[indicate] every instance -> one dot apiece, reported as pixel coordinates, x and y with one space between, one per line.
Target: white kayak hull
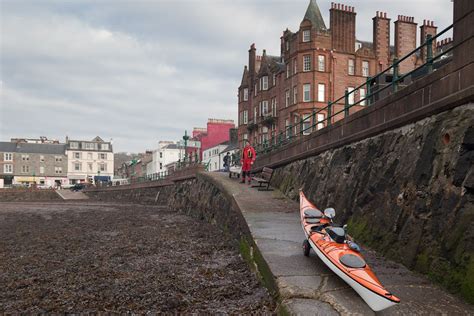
375 301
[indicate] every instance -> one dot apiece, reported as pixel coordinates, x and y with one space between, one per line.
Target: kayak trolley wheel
306 247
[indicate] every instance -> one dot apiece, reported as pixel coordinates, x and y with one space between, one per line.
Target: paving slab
306 286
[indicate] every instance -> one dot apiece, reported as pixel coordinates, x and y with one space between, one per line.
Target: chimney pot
377 14
424 22
385 15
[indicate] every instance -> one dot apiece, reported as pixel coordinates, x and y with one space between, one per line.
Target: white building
166 153
89 161
213 158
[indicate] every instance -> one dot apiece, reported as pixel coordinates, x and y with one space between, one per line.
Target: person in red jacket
248 158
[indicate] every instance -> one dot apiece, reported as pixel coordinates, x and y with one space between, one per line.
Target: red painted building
217 132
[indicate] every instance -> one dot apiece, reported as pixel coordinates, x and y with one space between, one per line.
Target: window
295 126
58 158
275 107
41 169
255 90
41 158
287 128
306 92
103 156
255 114
77 155
104 146
350 69
295 66
77 166
89 166
365 68
320 118
161 154
287 70
307 63
8 168
246 136
351 95
74 145
25 169
8 157
362 96
274 79
89 156
287 98
264 107
306 35
25 157
321 91
265 83
88 145
246 94
306 124
58 170
161 165
103 167
295 95
246 117
287 45
321 63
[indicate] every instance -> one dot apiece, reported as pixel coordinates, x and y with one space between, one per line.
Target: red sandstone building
317 65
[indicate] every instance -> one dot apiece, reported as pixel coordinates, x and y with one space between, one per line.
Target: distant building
89 161
214 156
40 140
28 163
216 132
166 153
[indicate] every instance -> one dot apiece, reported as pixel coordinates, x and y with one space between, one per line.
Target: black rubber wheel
306 247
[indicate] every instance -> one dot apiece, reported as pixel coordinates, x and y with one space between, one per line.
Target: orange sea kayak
337 250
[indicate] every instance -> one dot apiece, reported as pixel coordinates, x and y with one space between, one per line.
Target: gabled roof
313 14
98 139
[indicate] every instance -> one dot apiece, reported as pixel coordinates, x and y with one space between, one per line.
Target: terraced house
89 161
316 65
25 164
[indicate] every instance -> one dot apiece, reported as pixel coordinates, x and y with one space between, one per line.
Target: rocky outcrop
407 193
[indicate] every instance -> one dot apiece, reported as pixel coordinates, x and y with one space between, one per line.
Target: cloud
143 71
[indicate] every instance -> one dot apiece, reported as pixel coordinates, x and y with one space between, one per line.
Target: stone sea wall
407 193
28 195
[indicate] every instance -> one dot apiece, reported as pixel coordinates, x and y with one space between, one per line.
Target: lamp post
185 138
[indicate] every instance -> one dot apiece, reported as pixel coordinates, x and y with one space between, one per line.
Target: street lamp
185 138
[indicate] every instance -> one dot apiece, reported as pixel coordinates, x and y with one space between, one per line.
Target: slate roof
313 14
54 149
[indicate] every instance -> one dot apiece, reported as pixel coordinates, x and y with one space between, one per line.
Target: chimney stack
405 41
427 28
342 22
381 39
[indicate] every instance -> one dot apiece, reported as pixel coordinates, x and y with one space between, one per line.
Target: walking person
248 158
227 162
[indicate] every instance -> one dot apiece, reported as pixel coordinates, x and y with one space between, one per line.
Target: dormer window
246 94
306 35
274 79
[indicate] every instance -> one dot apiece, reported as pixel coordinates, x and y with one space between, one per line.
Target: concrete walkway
70 195
306 286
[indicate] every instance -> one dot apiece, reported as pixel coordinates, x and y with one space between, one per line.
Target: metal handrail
287 136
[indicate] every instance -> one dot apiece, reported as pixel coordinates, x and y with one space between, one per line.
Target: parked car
78 187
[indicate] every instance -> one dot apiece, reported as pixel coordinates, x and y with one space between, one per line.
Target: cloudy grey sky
143 71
